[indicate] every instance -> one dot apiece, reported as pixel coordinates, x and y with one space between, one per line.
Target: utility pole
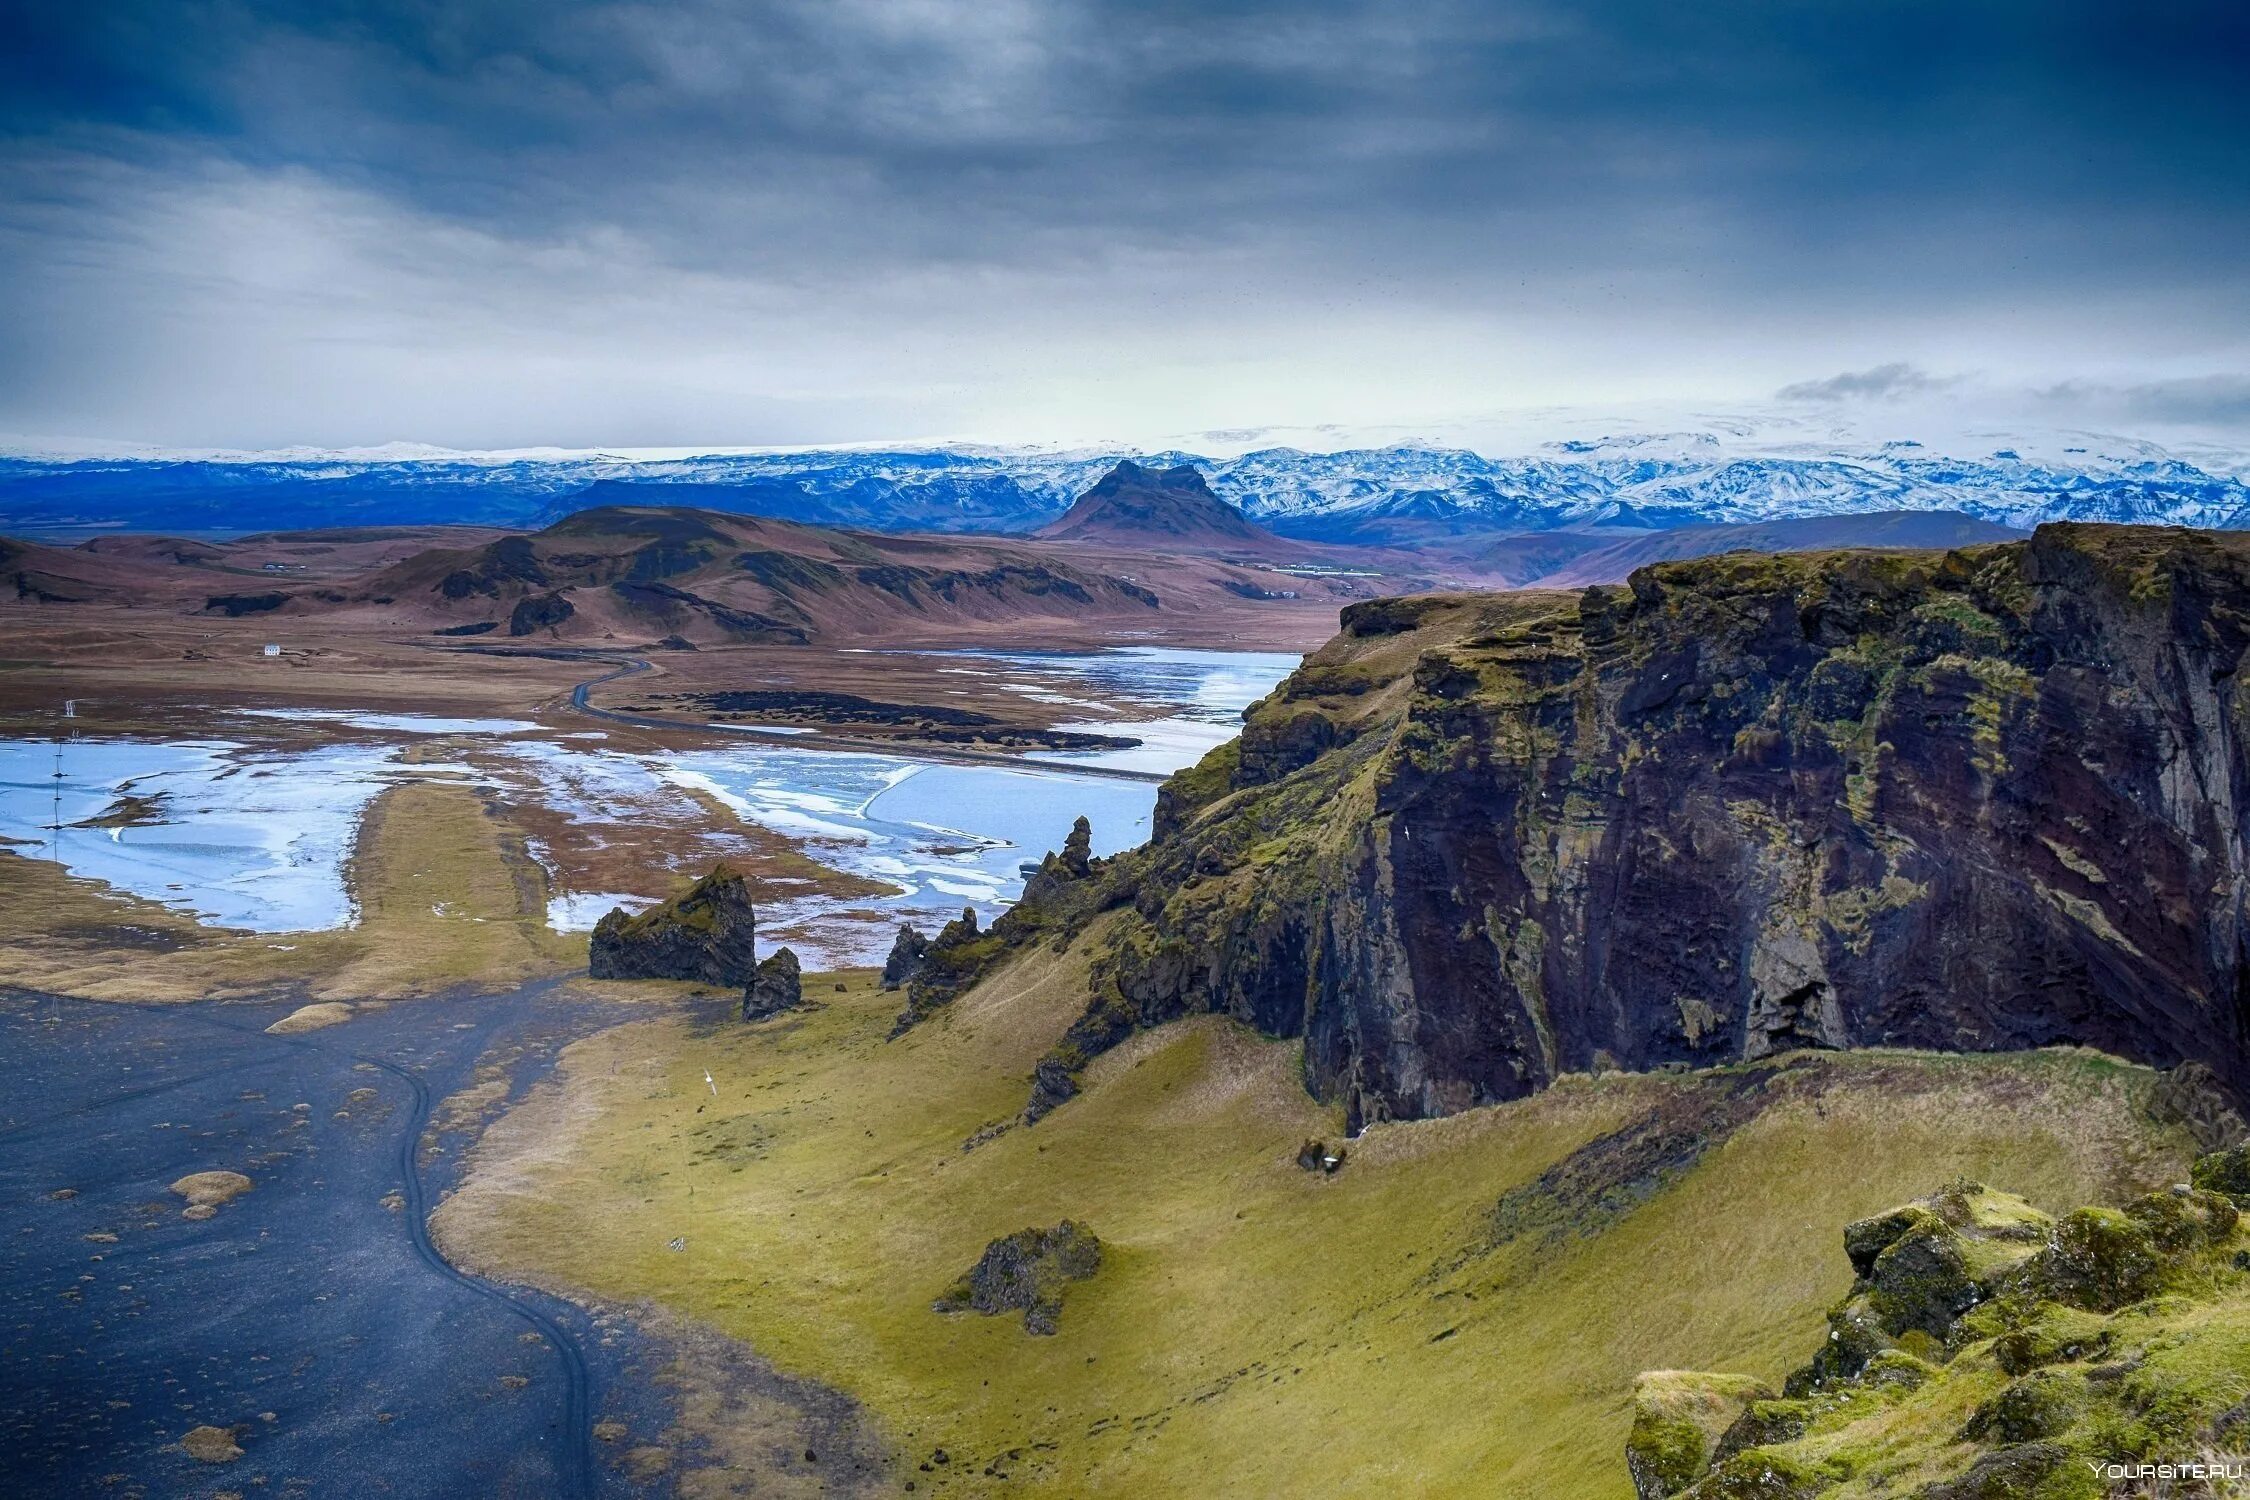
54 819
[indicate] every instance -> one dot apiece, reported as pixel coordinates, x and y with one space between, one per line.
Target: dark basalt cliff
1983 799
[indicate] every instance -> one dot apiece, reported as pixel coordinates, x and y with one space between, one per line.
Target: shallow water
397 723
944 836
247 838
1202 693
256 837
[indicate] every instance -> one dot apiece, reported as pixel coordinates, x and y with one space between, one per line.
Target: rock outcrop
536 612
1679 1419
906 955
1074 861
1026 1272
2106 1336
1057 896
1985 799
708 934
956 958
778 985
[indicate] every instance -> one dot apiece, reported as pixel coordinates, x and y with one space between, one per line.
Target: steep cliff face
1984 799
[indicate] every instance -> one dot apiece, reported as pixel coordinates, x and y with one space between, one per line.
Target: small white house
272 649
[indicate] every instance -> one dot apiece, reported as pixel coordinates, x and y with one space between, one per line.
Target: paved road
822 740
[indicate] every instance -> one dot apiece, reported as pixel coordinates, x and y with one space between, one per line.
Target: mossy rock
2041 1405
1987 1213
1865 1239
2182 1222
1026 1271
1897 1371
2226 1172
1679 1417
2100 1259
1881 1400
1762 1474
708 934
1855 1336
1764 1424
2051 1333
1922 1281
2045 1470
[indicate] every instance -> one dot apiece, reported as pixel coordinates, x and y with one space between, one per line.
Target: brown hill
710 578
627 574
31 573
1134 506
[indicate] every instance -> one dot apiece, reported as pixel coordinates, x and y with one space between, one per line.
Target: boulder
2039 1405
777 986
708 934
2226 1172
1921 1267
1026 1271
1922 1281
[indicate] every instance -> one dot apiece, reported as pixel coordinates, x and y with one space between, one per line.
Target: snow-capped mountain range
1367 494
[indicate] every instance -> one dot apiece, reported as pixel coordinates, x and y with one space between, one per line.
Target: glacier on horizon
1370 493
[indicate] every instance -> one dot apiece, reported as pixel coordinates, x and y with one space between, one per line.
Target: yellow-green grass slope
1990 1352
1461 1310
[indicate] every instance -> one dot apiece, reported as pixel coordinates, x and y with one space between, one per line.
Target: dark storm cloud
744 133
1889 382
1283 160
2202 401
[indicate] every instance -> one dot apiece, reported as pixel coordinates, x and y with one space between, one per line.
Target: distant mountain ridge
1909 529
1366 494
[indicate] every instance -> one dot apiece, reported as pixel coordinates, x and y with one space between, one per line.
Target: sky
503 223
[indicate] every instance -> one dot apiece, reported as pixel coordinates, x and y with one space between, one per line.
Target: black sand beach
308 1319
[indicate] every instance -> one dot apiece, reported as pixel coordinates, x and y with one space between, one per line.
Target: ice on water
256 836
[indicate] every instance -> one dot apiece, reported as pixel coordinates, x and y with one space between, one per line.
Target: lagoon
257 836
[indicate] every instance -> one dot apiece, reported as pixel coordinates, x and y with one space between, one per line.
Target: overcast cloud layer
248 223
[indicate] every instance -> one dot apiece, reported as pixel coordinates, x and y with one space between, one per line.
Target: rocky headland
1983 799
